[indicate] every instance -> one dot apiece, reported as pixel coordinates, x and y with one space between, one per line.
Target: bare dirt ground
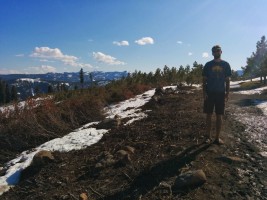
166 144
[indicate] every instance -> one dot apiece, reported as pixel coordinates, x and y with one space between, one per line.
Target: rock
159 91
169 91
180 86
126 160
129 149
118 119
2 171
4 188
105 159
231 159
110 162
165 188
213 150
263 154
156 98
190 179
99 165
41 158
123 157
121 154
109 123
83 196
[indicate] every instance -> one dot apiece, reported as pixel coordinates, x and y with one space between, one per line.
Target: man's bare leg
218 128
208 124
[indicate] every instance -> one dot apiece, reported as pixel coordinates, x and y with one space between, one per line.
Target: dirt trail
166 144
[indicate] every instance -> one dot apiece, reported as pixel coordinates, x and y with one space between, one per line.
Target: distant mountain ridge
67 76
240 72
31 84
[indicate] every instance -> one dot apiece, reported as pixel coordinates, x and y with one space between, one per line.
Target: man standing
216 84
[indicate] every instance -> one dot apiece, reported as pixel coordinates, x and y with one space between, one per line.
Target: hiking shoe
207 140
218 141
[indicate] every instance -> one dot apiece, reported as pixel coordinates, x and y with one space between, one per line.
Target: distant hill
240 72
31 84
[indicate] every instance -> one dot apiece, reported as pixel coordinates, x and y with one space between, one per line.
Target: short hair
216 47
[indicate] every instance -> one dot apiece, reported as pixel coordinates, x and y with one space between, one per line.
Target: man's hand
227 82
226 96
205 96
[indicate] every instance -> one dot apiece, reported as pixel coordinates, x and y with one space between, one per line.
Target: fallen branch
96 191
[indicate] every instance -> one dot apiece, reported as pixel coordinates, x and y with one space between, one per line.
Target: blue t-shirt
216 72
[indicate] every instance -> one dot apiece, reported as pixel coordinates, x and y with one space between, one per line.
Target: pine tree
81 77
2 92
255 63
91 79
157 77
14 94
197 73
7 94
37 90
264 68
181 74
50 89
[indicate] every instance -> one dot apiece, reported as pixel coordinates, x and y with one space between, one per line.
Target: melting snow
86 136
79 139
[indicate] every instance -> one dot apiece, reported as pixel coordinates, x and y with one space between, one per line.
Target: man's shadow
148 179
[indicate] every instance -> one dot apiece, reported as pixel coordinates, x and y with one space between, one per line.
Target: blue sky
39 36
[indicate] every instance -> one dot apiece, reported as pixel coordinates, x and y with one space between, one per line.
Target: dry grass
38 122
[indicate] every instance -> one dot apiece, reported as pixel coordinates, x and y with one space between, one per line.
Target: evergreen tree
50 89
2 92
64 87
173 75
234 75
58 87
255 66
37 90
264 68
14 94
81 77
7 95
91 79
181 74
157 77
197 73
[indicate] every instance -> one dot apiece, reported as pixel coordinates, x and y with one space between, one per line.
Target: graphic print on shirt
218 70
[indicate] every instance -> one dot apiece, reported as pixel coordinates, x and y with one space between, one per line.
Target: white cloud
46 52
101 57
30 70
45 60
9 71
41 69
122 43
205 55
56 54
179 42
190 53
145 40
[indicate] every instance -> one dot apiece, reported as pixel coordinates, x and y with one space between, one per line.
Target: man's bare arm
227 88
227 82
204 85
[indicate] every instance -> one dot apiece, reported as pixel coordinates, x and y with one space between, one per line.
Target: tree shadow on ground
148 179
245 102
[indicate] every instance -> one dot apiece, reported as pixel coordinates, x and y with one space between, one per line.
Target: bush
250 85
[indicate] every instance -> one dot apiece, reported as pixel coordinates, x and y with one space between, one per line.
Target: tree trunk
265 80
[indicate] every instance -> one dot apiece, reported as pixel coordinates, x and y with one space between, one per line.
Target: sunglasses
218 50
